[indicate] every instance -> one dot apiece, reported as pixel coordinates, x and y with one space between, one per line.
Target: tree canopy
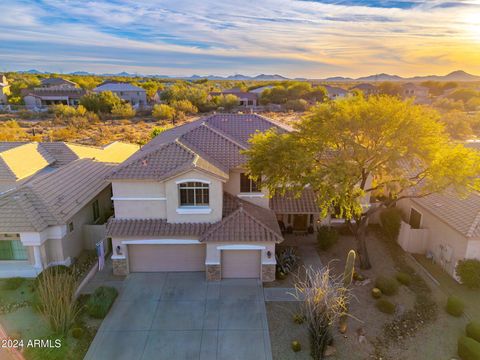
351 148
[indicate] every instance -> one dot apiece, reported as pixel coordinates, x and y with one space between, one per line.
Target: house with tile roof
184 203
135 95
21 162
444 226
43 221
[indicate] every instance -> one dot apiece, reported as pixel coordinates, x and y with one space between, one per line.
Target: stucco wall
216 199
130 199
73 242
232 186
440 236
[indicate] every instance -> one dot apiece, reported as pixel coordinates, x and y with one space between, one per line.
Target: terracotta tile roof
164 162
153 227
247 223
289 204
242 222
462 214
53 198
240 127
215 146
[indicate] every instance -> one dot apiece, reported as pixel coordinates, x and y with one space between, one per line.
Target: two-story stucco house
184 203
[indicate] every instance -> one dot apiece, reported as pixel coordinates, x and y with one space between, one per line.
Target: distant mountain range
458 75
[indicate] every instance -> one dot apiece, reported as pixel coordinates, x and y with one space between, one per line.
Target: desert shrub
101 301
385 306
102 102
404 278
184 107
163 112
13 283
387 285
326 237
298 319
455 306
227 102
296 105
124 110
287 260
376 293
56 289
473 330
469 272
468 349
390 219
54 270
77 332
296 346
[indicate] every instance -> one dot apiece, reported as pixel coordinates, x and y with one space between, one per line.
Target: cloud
296 38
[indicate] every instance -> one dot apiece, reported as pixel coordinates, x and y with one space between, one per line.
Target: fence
412 240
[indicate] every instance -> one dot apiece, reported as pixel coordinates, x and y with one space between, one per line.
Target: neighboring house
366 88
57 83
445 227
334 92
419 94
22 161
43 222
46 96
184 203
135 95
4 89
261 89
245 99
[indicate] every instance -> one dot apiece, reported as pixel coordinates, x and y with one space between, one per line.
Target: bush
385 306
455 306
473 330
287 260
163 112
469 272
101 301
55 291
326 237
13 283
296 346
55 270
390 219
387 285
468 349
296 105
404 278
298 319
124 110
77 332
376 293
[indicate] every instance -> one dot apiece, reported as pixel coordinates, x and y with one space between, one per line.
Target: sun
472 25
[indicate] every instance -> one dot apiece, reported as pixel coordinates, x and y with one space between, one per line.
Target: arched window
194 193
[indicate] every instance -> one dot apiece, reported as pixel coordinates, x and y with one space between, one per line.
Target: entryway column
38 257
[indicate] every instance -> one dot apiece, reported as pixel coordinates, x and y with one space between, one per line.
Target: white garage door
240 264
152 258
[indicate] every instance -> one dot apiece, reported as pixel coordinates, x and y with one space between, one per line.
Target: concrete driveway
176 316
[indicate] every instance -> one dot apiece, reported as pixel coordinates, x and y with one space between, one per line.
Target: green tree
390 88
298 90
228 102
275 95
163 112
296 105
102 102
458 124
123 110
184 107
348 149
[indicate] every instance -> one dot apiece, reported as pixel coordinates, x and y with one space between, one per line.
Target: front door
300 222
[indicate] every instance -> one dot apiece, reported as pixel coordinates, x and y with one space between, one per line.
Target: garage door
240 264
152 258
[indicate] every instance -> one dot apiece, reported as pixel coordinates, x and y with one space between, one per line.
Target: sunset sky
312 39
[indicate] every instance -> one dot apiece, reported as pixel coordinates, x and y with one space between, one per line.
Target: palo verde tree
347 149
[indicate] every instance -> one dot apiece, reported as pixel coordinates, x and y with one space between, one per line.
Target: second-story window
194 194
248 185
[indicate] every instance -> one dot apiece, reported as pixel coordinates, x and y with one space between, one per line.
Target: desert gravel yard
179 316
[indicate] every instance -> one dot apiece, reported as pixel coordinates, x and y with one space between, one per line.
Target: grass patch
13 283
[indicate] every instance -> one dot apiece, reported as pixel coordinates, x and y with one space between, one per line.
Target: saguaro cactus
347 281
